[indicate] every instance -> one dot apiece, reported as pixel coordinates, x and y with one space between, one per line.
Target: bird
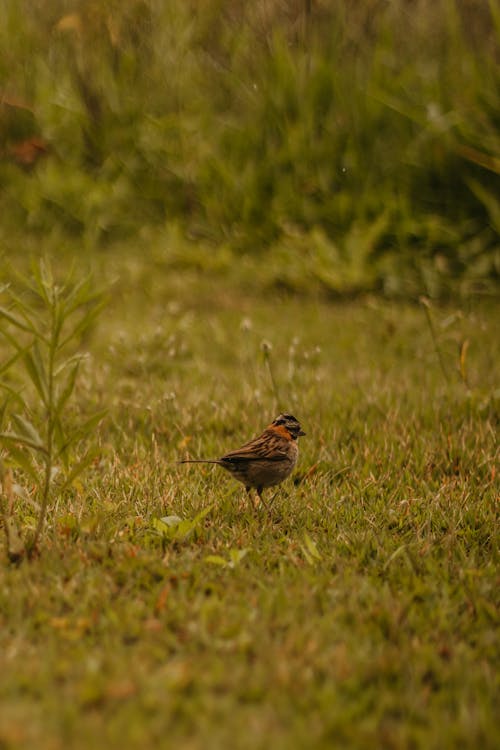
264 461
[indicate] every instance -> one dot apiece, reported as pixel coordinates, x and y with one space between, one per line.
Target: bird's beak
302 433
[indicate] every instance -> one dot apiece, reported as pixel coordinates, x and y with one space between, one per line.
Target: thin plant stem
50 429
425 304
267 360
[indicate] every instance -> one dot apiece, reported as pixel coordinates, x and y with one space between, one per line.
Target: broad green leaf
203 513
184 529
171 520
216 560
163 529
236 556
174 528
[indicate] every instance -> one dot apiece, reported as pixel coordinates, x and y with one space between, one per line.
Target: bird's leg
259 493
249 496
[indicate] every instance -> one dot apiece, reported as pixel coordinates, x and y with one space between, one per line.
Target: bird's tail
199 461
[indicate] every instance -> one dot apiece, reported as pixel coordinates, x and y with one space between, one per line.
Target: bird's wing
267 446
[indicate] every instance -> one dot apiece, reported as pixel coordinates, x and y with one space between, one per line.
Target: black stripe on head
285 419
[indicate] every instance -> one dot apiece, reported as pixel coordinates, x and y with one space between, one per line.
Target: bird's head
290 424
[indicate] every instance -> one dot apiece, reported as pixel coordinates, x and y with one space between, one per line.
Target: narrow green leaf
11 318
45 279
312 547
68 388
82 431
9 362
79 467
91 423
9 438
16 395
26 429
394 555
310 550
67 363
36 371
30 314
13 341
61 441
83 324
22 460
83 296
58 313
3 409
77 294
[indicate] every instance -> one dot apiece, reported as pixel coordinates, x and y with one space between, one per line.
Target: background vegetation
356 144
259 193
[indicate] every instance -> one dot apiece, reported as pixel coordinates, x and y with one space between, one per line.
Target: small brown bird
264 461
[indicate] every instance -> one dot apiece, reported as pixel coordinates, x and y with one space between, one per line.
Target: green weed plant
41 322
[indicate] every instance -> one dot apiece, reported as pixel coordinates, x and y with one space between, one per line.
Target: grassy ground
360 610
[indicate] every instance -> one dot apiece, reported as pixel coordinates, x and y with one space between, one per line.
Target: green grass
361 610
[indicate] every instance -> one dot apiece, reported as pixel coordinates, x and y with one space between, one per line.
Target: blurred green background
338 146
